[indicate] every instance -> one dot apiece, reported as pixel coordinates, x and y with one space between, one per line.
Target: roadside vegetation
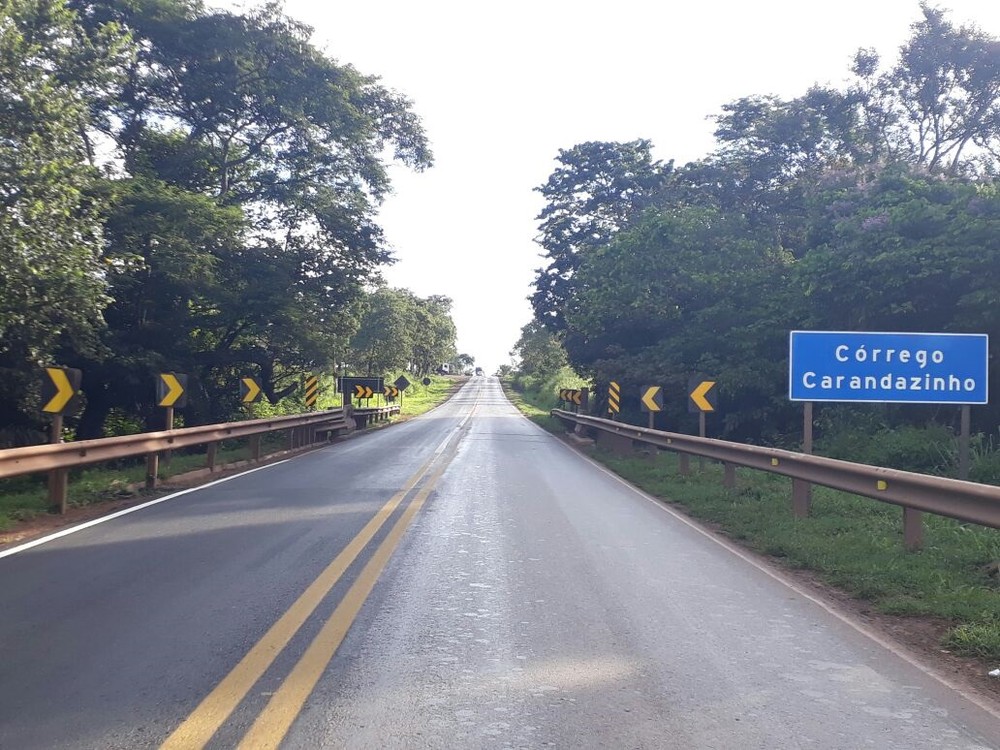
166 214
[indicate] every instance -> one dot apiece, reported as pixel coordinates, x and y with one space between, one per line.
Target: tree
279 151
686 290
939 105
538 351
53 285
597 190
433 335
384 341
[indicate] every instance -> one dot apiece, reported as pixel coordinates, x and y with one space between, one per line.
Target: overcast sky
501 87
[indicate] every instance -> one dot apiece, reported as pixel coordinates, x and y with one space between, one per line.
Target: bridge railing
915 493
58 458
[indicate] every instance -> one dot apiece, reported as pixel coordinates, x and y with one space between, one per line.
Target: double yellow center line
274 721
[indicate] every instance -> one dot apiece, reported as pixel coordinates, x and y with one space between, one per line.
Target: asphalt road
461 580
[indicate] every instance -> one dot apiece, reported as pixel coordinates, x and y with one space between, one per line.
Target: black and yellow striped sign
614 398
312 390
390 392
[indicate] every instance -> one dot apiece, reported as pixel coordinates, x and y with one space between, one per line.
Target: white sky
501 87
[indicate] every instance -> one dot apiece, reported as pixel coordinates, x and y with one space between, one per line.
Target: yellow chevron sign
614 397
701 397
312 390
59 388
571 395
363 391
390 391
171 390
249 391
651 398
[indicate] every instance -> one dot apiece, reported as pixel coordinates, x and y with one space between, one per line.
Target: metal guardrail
953 498
58 458
364 417
38 458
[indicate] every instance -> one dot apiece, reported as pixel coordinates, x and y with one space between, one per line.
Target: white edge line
126 511
888 645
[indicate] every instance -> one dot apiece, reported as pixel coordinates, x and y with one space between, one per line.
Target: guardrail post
152 469
963 444
801 489
255 447
683 464
168 455
210 454
58 478
801 498
913 529
729 475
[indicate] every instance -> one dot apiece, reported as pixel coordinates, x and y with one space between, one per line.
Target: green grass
420 398
850 542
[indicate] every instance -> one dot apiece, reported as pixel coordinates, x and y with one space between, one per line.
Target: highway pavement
460 580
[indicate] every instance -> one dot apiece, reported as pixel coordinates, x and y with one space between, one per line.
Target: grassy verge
419 398
850 542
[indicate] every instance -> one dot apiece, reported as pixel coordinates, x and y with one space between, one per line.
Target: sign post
58 478
59 395
250 394
651 400
701 399
171 393
402 384
801 489
963 443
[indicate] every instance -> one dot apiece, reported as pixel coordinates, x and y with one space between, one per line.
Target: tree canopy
191 190
870 208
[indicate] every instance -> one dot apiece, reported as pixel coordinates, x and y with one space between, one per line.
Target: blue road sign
910 368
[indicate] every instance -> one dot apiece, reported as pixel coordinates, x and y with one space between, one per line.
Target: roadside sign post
963 443
801 489
59 395
402 384
171 393
651 400
58 478
250 393
901 368
701 399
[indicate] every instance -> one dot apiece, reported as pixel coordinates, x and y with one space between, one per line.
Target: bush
928 450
